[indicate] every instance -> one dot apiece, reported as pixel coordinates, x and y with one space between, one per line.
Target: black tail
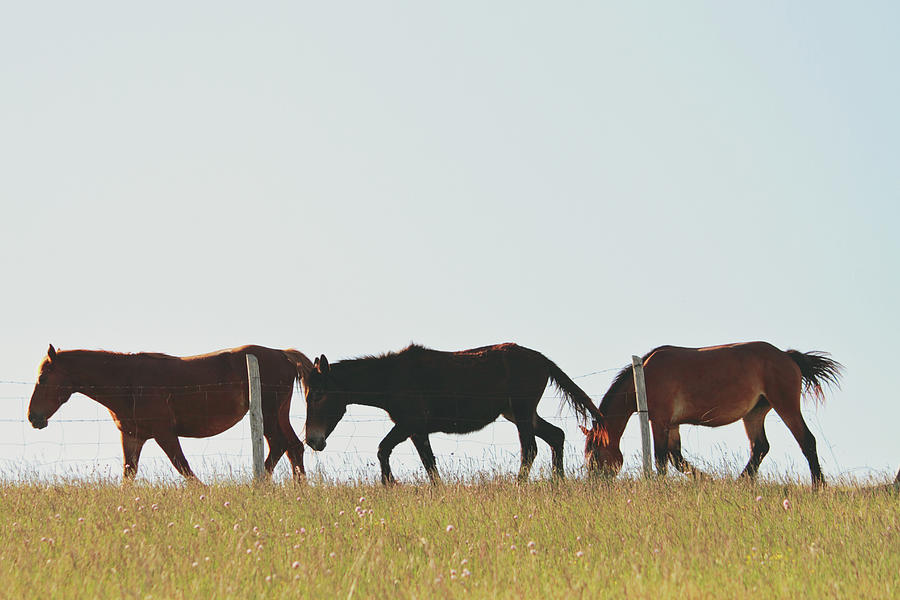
577 398
817 369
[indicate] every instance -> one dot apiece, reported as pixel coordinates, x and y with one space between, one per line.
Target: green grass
570 539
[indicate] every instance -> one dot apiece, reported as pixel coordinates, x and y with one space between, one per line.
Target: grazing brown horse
166 397
713 386
425 391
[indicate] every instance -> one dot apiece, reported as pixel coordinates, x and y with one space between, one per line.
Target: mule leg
172 447
555 437
131 451
423 446
529 446
754 425
387 445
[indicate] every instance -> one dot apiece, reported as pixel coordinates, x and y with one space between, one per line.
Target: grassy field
487 539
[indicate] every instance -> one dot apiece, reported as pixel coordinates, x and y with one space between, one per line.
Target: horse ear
322 365
51 353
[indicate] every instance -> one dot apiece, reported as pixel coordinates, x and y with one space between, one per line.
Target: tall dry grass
489 538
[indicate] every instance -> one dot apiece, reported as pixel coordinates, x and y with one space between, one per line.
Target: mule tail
817 369
577 398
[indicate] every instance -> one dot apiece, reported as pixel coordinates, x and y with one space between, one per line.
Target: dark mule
166 397
425 391
713 386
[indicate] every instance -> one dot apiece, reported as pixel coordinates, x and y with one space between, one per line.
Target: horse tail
817 369
577 397
304 365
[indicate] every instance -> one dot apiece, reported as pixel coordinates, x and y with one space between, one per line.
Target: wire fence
82 443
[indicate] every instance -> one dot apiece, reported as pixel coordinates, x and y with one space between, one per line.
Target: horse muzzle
37 422
317 443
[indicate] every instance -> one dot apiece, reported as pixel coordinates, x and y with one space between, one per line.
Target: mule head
325 404
52 389
602 457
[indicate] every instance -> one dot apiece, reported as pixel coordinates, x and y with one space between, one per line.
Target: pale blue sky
590 180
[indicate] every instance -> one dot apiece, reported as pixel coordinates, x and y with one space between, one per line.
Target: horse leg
294 452
172 447
807 441
423 446
272 430
131 451
292 443
661 446
678 460
529 446
787 404
387 445
555 437
754 425
276 449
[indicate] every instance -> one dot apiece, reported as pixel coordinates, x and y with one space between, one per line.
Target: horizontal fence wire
88 447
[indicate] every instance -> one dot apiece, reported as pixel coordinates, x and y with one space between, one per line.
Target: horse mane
111 354
623 377
598 435
363 361
413 349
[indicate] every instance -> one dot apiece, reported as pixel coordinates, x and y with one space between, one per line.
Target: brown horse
166 397
712 386
425 391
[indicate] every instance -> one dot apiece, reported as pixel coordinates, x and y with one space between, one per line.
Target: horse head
602 457
52 389
324 404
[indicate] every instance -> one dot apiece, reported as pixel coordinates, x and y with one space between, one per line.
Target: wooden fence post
256 418
641 392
